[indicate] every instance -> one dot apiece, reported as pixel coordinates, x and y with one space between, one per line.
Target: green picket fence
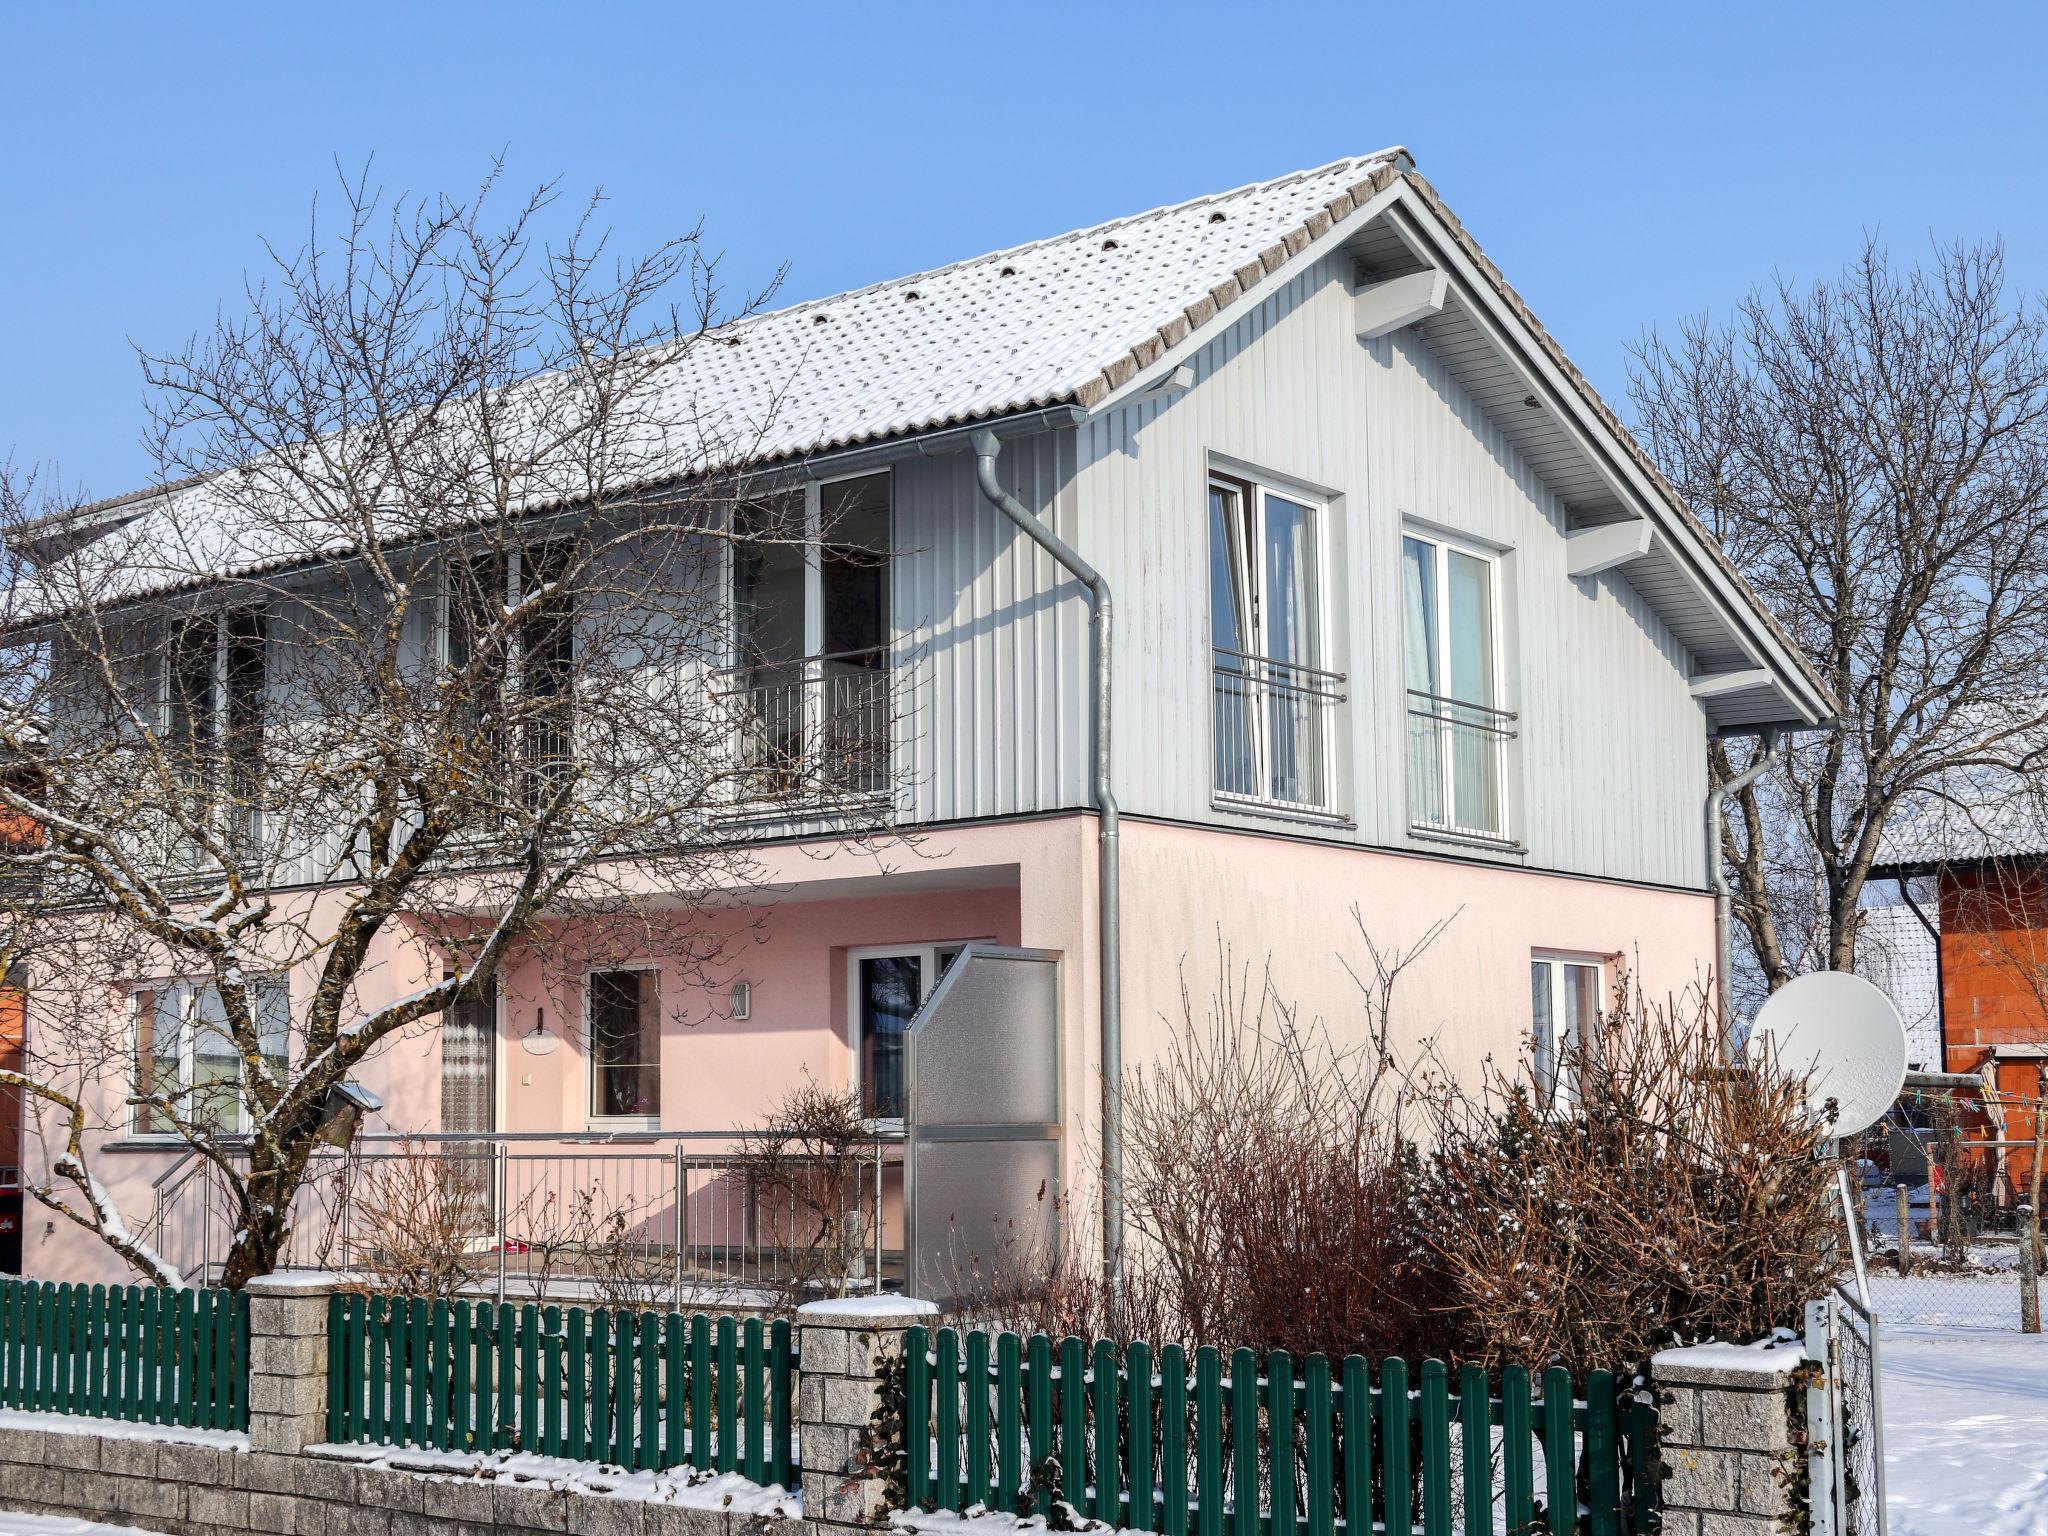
129 1352
642 1390
1240 1446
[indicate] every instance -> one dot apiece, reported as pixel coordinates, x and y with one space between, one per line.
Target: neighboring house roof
1981 811
1068 321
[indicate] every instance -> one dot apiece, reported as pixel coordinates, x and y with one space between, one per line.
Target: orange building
1991 917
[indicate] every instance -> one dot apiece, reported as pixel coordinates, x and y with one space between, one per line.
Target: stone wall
214 1486
1731 1463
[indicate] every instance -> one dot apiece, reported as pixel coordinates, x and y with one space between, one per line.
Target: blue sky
1626 165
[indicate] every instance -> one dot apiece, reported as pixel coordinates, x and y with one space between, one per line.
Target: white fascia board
1386 307
1199 337
1590 551
1712 685
1414 220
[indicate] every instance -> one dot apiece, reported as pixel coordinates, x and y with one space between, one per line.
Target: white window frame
188 1048
1562 1091
1494 558
1255 490
597 1122
813 660
927 957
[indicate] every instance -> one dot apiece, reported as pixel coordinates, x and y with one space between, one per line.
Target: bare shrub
1269 1187
420 1222
813 1164
1666 1198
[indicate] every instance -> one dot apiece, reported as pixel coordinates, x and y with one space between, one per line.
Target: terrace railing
652 1214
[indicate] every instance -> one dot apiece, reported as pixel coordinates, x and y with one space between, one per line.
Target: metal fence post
2030 1279
501 1149
878 1217
682 1200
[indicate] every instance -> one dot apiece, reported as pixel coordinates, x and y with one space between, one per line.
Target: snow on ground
62 1525
1965 1431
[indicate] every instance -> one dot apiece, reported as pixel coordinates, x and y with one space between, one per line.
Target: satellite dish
1846 1038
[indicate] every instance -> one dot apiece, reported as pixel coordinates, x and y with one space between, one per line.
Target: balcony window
523 699
1457 731
1273 713
213 711
186 1057
624 1009
809 685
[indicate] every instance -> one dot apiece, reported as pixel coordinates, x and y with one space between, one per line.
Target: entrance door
469 1066
884 991
469 1104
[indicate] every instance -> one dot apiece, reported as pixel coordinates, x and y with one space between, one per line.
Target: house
1406 630
1970 860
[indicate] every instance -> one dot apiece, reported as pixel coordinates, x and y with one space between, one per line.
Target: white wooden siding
1609 772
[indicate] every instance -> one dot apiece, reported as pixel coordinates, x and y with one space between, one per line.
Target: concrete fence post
1726 1415
843 1349
288 1361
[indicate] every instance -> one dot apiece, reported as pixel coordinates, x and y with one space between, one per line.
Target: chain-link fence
1968 1280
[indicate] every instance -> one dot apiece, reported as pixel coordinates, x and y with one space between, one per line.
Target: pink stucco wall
1198 904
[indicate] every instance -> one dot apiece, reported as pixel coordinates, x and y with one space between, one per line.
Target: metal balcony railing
1458 766
1275 730
682 1212
813 727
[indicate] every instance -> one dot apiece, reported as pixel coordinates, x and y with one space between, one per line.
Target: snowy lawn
1965 1432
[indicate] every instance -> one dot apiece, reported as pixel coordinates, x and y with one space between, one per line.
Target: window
1457 732
1564 1008
810 637
1273 711
214 706
186 1056
888 987
625 1045
523 699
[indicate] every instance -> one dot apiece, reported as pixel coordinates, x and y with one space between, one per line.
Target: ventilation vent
1109 245
1218 217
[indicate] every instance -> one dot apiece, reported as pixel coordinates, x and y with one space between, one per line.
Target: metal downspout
1717 876
986 446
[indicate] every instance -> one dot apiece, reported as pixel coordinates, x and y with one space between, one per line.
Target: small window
186 1057
625 1045
1564 1007
1272 717
1457 731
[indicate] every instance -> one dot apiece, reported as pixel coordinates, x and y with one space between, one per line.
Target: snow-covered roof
1992 805
1065 321
1062 320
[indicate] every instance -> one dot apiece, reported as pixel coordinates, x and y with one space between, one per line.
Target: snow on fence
644 1390
126 1352
1270 1447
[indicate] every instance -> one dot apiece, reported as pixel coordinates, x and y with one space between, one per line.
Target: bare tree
1873 452
422 663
